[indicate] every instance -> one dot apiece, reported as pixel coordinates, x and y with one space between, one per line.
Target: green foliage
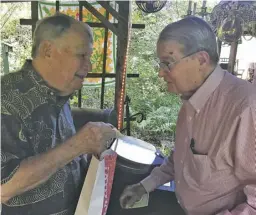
148 93
20 37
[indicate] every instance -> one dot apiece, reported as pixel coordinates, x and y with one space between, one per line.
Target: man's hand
131 195
95 137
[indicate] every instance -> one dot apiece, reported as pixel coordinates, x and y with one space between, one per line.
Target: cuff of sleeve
6 176
226 212
149 184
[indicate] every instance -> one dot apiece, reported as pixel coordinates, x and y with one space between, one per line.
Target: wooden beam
80 19
232 57
92 24
57 6
122 44
103 19
194 9
189 11
27 21
34 14
109 75
104 63
111 10
15 1
219 45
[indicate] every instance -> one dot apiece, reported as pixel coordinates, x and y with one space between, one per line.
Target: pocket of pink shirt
197 170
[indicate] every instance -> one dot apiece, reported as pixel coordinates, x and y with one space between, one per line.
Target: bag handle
118 135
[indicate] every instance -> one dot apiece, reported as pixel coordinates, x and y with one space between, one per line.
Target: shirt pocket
196 170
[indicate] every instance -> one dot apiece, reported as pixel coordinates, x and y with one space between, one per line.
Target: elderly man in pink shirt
214 161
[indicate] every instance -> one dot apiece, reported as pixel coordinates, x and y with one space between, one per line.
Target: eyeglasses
83 56
168 66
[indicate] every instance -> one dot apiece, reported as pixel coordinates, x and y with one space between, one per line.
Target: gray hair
194 34
54 27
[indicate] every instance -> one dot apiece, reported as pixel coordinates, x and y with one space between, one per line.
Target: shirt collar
200 97
46 91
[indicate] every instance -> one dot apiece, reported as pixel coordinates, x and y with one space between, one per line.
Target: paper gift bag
95 195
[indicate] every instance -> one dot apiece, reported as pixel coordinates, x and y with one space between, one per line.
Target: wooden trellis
120 28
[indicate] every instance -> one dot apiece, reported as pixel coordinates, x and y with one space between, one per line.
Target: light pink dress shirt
220 178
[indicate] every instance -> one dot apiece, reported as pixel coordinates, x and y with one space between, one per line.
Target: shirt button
178 182
181 161
52 93
189 118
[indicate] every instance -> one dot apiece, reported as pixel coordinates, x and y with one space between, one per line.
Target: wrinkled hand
131 195
95 137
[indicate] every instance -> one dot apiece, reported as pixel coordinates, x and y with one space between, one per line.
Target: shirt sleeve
245 162
13 146
160 175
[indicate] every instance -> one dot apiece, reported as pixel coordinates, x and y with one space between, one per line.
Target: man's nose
87 66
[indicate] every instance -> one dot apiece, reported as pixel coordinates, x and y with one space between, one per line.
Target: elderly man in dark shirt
41 151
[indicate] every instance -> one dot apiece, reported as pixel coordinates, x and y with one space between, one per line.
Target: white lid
135 150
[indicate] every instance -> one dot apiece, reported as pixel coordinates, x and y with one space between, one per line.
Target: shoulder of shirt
238 91
11 97
10 81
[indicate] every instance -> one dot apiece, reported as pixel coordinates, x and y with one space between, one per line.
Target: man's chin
79 86
171 89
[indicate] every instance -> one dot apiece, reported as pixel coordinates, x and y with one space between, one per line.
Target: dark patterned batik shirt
34 120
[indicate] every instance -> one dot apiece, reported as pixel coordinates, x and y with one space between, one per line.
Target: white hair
53 27
194 34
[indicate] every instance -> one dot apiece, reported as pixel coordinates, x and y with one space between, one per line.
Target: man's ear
46 49
203 57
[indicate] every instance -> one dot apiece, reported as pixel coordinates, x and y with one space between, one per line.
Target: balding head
54 27
62 48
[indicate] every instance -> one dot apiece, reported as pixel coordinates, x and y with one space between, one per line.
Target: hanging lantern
231 29
151 6
249 31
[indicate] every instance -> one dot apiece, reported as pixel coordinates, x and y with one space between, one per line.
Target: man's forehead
79 39
169 46
168 50
88 48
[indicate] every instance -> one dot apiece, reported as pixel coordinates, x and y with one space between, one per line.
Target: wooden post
99 16
232 57
80 19
91 24
57 6
104 63
219 44
194 9
122 44
5 56
34 14
189 11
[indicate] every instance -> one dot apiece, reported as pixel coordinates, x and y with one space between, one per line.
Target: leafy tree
20 37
